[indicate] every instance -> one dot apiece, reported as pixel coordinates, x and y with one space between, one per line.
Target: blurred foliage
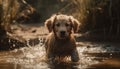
8 11
95 15
99 16
47 8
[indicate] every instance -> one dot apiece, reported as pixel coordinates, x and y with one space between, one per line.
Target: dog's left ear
49 23
75 23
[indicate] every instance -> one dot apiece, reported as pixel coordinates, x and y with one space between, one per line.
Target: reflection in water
92 55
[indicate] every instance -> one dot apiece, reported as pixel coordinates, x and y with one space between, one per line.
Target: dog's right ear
75 23
49 23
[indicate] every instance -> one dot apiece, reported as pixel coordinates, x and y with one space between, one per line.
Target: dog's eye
66 24
58 25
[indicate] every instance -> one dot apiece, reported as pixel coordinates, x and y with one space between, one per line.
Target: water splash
33 57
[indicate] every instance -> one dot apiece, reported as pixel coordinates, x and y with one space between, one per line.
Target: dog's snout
62 32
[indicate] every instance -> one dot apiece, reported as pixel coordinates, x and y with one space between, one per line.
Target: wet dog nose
62 33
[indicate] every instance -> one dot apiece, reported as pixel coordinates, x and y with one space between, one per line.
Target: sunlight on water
29 57
33 57
29 52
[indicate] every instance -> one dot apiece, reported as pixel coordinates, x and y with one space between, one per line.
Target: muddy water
92 56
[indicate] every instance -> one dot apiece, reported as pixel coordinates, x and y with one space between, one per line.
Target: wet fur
56 47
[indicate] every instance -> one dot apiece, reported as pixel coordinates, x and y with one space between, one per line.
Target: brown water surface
93 55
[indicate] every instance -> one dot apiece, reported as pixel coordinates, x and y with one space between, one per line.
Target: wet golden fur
61 42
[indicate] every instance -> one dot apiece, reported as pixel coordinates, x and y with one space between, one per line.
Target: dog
61 42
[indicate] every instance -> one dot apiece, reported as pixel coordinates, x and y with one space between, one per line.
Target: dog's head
62 25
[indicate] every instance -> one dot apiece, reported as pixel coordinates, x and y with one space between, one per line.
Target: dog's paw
75 56
75 59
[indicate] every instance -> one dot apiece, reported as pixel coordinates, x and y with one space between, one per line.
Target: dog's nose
62 32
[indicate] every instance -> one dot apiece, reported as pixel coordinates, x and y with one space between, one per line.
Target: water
92 56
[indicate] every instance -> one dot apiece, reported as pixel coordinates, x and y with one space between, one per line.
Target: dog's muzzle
62 34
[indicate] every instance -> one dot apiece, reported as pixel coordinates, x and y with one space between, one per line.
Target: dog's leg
75 56
51 57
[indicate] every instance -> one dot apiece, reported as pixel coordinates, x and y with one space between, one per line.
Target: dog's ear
75 23
49 23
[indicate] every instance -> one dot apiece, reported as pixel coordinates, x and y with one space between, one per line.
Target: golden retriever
61 42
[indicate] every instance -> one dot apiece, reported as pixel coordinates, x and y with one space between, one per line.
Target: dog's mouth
62 36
